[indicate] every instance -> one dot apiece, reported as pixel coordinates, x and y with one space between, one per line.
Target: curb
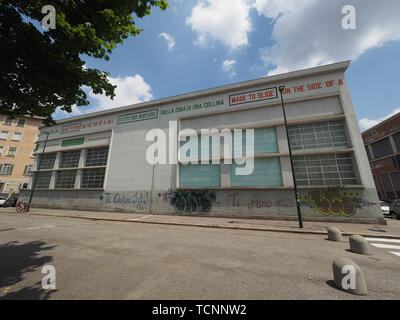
216 226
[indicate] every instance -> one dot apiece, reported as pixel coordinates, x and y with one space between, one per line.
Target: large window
70 159
47 160
266 173
382 148
329 169
320 135
93 178
96 157
70 170
43 179
65 179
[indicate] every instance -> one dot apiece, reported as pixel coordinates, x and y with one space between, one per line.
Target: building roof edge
334 67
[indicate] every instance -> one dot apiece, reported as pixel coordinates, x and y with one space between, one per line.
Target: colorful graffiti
190 201
331 202
334 202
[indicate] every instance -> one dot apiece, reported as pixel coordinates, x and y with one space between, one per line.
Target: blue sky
200 44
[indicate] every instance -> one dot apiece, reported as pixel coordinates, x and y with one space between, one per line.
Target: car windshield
384 204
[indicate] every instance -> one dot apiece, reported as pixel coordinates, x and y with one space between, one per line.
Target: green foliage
42 70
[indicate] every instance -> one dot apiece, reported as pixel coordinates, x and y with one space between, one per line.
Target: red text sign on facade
253 96
71 128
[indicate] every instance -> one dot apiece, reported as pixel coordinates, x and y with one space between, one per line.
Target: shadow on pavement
18 259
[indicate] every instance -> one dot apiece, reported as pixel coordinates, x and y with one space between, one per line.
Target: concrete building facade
98 161
17 143
382 144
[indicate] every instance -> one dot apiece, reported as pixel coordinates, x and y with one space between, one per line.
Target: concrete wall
342 205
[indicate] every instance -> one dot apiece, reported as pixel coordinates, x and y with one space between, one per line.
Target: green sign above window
73 142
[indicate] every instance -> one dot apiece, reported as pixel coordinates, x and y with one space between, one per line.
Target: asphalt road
117 260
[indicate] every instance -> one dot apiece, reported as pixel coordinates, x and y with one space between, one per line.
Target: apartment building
382 144
17 143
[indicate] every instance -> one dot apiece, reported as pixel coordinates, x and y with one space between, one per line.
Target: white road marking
395 253
383 240
385 246
34 228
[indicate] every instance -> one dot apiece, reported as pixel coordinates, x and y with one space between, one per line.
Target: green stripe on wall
72 142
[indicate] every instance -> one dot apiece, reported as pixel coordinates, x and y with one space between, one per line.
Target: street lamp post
281 88
35 177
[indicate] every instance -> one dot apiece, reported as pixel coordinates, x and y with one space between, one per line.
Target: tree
42 69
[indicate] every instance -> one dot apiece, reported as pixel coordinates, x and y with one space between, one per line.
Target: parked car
394 209
12 202
2 200
385 208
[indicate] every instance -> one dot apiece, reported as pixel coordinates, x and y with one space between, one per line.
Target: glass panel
382 148
47 160
264 142
43 180
93 178
66 179
96 157
266 173
199 175
324 170
70 159
318 135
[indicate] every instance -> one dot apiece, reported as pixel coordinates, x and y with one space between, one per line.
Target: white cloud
169 39
229 66
309 33
227 21
130 90
365 123
273 8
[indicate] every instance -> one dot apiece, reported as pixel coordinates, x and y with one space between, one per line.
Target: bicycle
22 207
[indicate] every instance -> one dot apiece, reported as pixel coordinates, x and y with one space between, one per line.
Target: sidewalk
391 230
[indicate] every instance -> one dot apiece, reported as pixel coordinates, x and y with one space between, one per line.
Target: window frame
21 125
10 170
84 177
3 131
9 149
13 136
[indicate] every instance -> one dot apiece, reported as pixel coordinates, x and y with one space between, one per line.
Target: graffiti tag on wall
190 201
135 199
257 202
